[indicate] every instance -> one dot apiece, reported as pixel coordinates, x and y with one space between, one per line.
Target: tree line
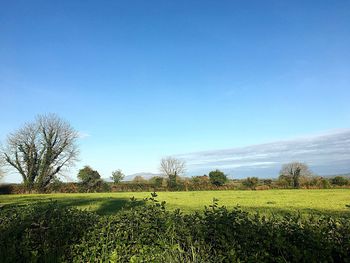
42 150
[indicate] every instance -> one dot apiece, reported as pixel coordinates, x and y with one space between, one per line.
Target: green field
328 202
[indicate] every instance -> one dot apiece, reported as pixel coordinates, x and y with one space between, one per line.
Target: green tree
251 182
89 178
117 176
157 181
217 178
339 180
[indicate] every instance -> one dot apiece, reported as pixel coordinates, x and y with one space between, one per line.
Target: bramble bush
151 233
42 232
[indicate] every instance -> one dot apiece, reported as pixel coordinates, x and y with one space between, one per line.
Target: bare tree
294 171
40 150
172 167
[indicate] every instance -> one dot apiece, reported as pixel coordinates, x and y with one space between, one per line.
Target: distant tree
89 178
40 150
172 168
339 180
117 176
139 179
324 183
284 181
292 172
217 178
267 182
251 182
157 181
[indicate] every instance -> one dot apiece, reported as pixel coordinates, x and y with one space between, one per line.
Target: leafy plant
217 178
150 233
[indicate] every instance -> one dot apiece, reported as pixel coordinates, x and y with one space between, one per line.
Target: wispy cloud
325 153
83 135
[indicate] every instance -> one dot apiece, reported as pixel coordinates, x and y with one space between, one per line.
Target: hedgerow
151 233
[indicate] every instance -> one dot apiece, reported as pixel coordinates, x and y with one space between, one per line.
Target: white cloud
83 135
325 153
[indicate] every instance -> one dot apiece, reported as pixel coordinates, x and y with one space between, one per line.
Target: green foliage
157 181
117 176
340 181
151 233
251 182
91 180
217 178
88 175
324 183
55 185
41 232
285 181
172 181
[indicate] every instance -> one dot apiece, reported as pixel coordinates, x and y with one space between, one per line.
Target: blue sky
147 79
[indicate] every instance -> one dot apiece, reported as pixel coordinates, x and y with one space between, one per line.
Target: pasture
317 202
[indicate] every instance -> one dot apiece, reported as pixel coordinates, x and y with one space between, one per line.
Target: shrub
217 178
55 186
90 179
157 181
340 181
5 189
150 233
41 232
251 182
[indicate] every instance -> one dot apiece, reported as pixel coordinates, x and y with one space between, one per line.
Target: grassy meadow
319 201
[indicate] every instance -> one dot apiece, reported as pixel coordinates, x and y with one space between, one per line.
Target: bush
5 189
157 181
41 232
150 233
251 182
340 181
55 186
217 178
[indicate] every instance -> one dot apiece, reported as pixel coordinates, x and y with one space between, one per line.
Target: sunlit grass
327 202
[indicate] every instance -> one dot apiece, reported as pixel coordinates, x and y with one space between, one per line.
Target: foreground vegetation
317 201
148 232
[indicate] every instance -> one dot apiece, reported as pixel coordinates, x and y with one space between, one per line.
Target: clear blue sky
146 79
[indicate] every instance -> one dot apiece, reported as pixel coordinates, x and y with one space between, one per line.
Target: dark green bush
150 233
340 181
217 177
41 232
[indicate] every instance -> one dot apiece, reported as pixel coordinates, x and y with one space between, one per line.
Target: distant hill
144 175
